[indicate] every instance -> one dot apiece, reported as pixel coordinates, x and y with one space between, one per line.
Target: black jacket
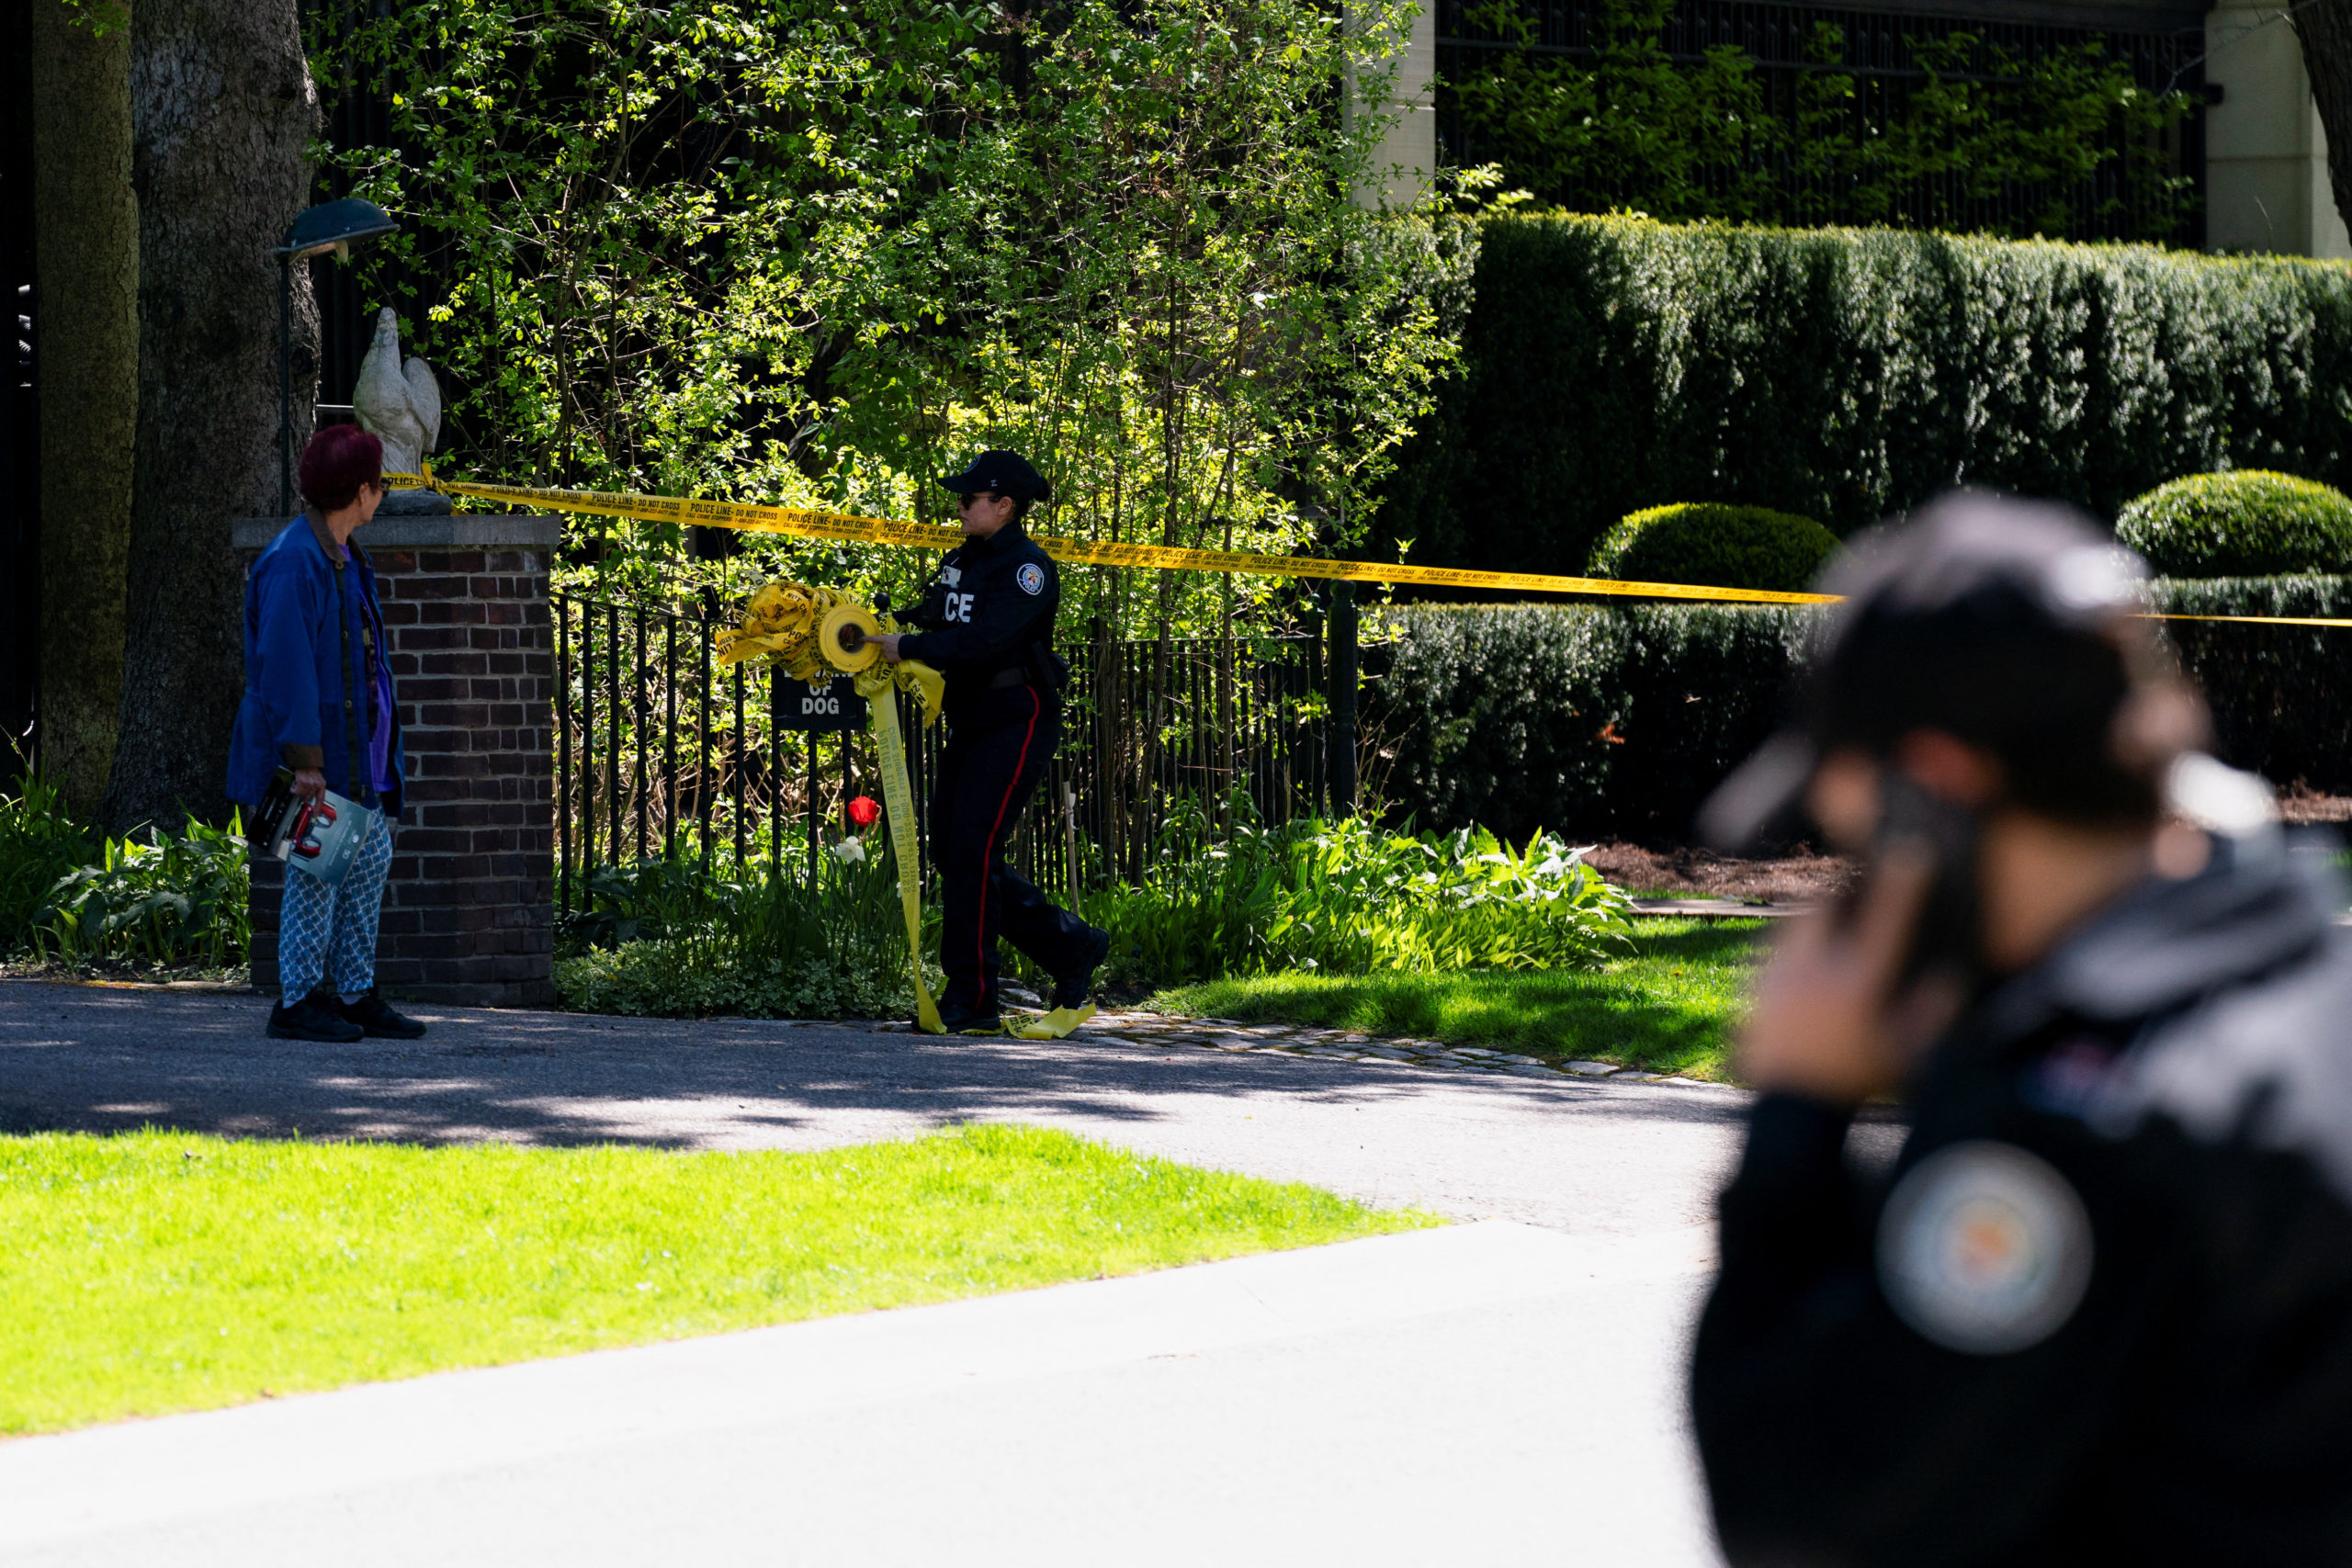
988 602
1959 1363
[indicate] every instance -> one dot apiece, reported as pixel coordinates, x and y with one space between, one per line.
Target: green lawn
159 1272
1667 1006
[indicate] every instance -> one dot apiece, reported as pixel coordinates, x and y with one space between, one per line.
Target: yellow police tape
2259 620
1077 552
1080 552
794 624
898 803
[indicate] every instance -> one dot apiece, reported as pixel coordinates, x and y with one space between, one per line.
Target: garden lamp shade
330 226
334 226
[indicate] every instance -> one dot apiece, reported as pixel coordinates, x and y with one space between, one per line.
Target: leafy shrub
2247 523
1581 718
666 938
2280 704
1620 720
1350 898
668 977
1613 364
39 843
1717 546
174 899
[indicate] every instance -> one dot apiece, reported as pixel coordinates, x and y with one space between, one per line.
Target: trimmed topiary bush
2246 523
1717 546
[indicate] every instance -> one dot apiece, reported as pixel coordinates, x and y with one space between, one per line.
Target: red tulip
863 812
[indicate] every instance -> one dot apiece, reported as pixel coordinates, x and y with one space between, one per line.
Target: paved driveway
1593 1159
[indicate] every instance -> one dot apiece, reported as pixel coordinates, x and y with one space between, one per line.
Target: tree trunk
223 109
2325 29
86 229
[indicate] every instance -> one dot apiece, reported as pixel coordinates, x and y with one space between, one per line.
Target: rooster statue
402 405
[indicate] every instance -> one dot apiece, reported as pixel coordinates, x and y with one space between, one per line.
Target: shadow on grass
1668 1006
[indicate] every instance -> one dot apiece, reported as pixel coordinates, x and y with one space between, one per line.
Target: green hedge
2281 704
1601 719
1613 364
2250 523
1720 546
1574 717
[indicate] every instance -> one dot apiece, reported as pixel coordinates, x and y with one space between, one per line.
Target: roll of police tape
851 528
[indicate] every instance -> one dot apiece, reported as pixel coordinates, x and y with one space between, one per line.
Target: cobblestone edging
1339 1044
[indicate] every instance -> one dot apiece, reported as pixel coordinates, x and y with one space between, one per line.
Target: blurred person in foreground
319 701
2100 1308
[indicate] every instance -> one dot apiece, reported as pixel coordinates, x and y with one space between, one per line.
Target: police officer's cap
2003 623
999 473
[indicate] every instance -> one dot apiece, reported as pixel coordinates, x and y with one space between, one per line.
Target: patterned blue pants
323 930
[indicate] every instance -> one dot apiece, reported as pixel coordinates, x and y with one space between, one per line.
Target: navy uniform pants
996 752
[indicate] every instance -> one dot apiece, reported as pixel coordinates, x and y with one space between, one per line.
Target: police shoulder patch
1032 578
1984 1249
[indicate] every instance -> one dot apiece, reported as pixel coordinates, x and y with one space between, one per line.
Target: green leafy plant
2246 523
666 938
1346 896
807 252
176 899
40 842
1720 546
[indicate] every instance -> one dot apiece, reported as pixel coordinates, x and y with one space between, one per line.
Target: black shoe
971 1021
374 1018
310 1019
1072 990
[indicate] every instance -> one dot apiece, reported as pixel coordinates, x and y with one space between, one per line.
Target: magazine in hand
319 837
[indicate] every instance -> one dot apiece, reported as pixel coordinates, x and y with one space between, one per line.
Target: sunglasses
964 503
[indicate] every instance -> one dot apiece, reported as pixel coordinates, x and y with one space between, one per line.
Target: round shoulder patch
1032 578
1984 1249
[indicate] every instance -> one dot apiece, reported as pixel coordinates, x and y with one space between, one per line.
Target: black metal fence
1880 52
661 753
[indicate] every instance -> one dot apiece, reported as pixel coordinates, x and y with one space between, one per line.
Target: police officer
988 621
2100 1308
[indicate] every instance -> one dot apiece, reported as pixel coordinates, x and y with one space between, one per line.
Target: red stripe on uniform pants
988 846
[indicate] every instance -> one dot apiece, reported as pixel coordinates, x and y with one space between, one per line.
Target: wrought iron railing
661 753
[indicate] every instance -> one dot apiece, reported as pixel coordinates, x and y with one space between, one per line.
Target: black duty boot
970 1021
310 1018
374 1018
1072 990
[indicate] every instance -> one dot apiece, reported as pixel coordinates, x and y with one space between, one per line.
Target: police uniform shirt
988 601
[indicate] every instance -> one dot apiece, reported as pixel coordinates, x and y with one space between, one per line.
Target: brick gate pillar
468 912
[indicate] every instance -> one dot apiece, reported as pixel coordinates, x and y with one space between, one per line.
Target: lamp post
330 226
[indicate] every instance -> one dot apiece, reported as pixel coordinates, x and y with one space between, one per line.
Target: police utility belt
1040 667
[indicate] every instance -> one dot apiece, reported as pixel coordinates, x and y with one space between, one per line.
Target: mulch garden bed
1806 878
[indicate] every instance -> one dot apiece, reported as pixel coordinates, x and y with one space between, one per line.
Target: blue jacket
292 714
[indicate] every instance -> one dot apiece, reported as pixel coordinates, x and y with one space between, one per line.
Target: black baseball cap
999 473
2002 622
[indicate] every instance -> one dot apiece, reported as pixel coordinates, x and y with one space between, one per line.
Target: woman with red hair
319 701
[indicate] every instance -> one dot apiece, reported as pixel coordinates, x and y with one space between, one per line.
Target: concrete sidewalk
1488 1393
